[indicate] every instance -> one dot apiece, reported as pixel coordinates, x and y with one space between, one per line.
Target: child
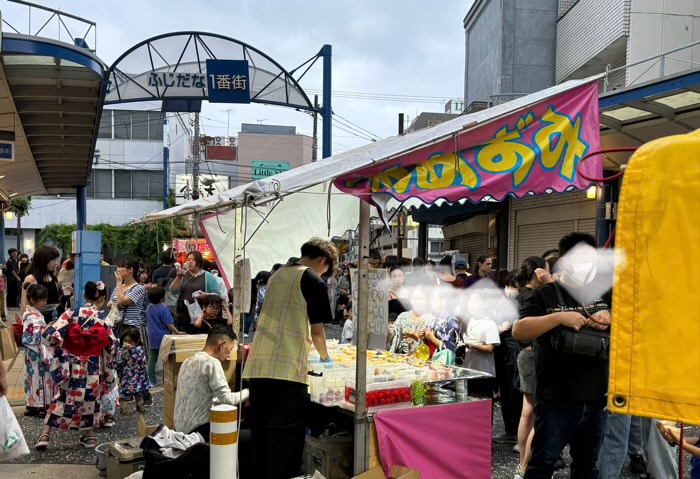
348 327
38 387
690 445
83 343
213 313
160 323
131 369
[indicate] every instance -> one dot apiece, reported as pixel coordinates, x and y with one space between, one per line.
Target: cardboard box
396 472
144 429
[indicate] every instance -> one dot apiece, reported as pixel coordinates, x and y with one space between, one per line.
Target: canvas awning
464 130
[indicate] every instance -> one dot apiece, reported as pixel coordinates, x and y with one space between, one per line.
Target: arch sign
181 69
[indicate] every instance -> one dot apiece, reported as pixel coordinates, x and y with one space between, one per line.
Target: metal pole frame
81 207
361 421
166 160
326 109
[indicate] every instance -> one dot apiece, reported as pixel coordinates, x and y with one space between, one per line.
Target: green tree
20 207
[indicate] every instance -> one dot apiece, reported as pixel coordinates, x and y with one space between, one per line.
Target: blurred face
476 306
53 264
397 278
437 304
129 341
418 303
486 266
125 273
40 304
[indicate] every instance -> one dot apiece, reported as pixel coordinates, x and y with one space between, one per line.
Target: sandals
88 442
42 443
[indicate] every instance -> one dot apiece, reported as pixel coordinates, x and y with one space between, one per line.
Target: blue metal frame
650 89
326 109
13 45
81 207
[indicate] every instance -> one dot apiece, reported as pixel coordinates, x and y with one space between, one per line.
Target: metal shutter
586 226
471 246
535 239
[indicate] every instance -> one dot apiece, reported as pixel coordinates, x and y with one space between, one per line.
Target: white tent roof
341 164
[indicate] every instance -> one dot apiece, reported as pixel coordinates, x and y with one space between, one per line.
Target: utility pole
314 152
196 149
402 218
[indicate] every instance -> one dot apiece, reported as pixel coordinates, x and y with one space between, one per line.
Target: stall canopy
531 145
655 350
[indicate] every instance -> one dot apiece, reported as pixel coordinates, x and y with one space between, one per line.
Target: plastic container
381 395
332 456
101 461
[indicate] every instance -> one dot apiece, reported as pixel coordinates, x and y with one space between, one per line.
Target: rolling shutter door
535 239
470 246
586 226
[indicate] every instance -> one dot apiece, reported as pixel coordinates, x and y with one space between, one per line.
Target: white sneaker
518 473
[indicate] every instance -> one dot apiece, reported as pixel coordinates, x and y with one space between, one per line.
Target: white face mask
583 274
511 293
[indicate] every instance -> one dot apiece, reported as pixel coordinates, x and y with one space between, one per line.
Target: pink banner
440 441
535 150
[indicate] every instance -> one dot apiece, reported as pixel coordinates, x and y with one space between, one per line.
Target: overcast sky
407 47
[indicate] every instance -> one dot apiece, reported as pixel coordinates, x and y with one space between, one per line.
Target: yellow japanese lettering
560 141
395 178
436 173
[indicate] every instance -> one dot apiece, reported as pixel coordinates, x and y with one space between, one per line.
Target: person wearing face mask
506 356
571 385
295 309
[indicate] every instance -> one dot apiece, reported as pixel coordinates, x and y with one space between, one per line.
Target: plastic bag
445 357
12 443
194 309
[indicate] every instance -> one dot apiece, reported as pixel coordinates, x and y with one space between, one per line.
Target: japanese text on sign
228 81
177 80
377 313
6 151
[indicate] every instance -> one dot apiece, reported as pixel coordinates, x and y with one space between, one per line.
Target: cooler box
332 456
124 458
174 350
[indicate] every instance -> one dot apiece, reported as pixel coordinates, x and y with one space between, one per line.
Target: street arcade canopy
655 345
531 145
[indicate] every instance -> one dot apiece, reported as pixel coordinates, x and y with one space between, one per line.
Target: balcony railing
54 24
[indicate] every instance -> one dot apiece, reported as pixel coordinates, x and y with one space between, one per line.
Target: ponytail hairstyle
95 291
35 292
527 269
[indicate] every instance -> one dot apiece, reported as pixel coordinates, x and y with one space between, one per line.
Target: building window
122 125
435 247
155 185
155 126
139 181
105 125
103 183
139 125
122 184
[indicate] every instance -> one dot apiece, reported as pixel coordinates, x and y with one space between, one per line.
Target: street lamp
9 216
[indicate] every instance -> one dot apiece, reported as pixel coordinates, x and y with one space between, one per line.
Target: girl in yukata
83 346
132 370
38 387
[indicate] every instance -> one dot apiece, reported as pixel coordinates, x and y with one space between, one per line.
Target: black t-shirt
318 307
163 275
562 377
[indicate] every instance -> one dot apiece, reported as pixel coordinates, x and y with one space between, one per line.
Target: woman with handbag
83 348
190 279
126 305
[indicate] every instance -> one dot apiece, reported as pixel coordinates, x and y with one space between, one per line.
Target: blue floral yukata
38 386
82 368
132 370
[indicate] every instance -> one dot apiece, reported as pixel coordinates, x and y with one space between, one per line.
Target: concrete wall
591 35
529 45
510 47
294 149
658 26
483 31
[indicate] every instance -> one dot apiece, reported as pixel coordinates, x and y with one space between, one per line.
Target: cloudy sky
388 47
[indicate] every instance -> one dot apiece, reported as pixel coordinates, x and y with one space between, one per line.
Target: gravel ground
65 449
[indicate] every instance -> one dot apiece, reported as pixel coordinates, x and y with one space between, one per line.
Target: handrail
663 54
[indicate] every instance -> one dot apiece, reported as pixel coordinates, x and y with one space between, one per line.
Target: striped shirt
132 314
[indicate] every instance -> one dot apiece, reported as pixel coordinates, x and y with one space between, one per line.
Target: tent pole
362 331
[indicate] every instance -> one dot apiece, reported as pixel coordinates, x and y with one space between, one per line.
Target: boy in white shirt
481 337
348 327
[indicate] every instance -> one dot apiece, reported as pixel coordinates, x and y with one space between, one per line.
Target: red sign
225 153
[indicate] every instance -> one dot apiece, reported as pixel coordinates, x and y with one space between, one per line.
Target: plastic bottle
423 351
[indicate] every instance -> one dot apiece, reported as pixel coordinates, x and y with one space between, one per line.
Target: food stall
529 146
183 247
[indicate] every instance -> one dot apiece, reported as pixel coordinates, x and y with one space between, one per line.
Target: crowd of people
543 347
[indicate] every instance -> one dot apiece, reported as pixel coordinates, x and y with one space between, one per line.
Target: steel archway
170 68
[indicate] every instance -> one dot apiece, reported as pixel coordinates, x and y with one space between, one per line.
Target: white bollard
223 458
